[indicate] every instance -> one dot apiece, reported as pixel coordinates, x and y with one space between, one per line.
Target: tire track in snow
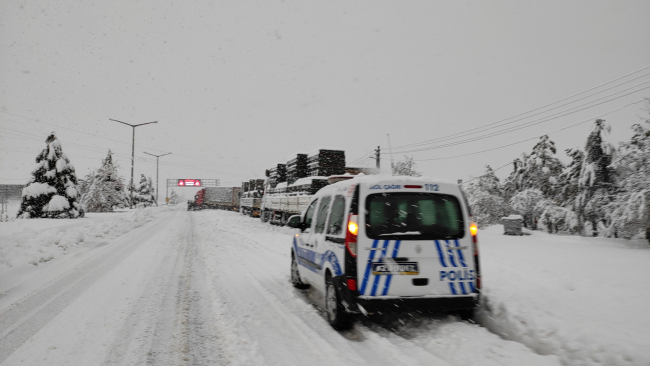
171 323
27 316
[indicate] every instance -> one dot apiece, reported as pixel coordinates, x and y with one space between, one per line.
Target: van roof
384 178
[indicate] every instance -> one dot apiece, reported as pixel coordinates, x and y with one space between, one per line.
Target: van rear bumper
418 304
422 304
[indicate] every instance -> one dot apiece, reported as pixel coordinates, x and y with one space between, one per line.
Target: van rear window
413 216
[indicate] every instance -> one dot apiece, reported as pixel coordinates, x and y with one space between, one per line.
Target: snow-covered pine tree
105 188
52 191
596 181
143 196
569 178
630 213
152 190
406 167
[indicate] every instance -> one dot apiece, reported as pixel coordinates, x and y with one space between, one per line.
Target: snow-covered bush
174 198
52 191
557 219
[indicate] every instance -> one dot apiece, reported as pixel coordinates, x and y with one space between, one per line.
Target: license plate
403 268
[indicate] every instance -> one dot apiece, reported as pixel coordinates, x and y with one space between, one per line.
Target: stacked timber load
307 185
277 174
324 163
297 168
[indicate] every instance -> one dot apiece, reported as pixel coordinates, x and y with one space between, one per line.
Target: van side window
309 215
336 217
322 214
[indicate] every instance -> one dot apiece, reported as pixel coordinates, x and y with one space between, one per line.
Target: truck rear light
352 284
412 186
351 235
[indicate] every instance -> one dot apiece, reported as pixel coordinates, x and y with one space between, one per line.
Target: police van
376 244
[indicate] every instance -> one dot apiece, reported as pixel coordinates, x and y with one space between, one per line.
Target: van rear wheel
467 314
338 318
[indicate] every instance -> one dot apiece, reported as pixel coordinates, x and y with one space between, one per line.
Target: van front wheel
338 318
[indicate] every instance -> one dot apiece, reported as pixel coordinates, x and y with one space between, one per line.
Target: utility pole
132 153
390 150
157 156
378 156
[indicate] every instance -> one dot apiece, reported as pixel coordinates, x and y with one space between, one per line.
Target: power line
534 138
495 125
558 101
515 128
494 170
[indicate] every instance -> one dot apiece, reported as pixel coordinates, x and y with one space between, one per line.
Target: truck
251 197
224 198
283 201
289 187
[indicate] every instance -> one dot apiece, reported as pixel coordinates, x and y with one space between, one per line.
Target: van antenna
390 150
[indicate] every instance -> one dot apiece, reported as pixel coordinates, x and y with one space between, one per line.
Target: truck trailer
224 198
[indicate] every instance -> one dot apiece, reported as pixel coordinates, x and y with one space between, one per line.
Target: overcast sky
237 86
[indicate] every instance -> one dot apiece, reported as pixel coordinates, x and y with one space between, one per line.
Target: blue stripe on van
471 287
390 277
377 278
450 251
371 256
462 288
460 255
452 288
441 257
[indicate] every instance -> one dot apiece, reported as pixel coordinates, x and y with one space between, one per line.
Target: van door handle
369 248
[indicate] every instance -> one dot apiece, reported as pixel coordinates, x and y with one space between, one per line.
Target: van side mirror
295 222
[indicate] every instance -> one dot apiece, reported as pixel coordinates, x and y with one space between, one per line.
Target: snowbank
37 241
582 299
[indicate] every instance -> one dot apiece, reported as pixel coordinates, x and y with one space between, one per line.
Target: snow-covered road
212 288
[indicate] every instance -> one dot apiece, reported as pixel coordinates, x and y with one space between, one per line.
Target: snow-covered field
165 286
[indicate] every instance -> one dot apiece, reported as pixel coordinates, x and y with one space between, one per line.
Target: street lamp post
157 156
132 153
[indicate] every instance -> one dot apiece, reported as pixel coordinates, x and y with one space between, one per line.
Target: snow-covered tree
406 167
144 196
104 189
525 203
540 169
52 190
596 181
630 212
486 200
569 178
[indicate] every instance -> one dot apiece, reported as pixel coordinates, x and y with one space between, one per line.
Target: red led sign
189 182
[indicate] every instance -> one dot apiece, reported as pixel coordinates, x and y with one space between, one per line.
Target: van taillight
412 186
473 230
352 284
351 235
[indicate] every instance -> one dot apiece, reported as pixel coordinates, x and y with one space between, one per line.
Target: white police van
376 244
